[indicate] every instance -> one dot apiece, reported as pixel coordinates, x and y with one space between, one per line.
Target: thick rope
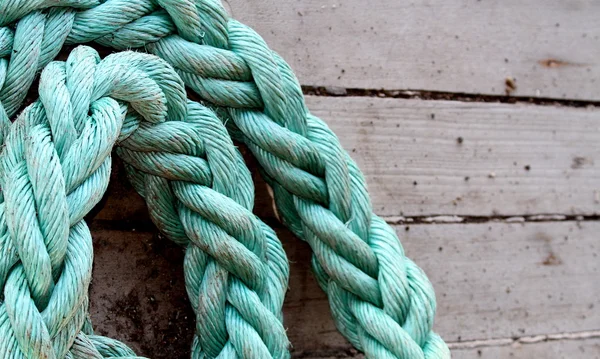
381 301
55 168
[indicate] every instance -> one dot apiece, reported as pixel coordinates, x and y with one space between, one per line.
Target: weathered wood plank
424 158
550 47
562 349
493 280
481 159
138 293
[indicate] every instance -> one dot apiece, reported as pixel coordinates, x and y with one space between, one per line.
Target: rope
56 167
380 300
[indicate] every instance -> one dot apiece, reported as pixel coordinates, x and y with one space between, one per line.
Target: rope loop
182 160
55 168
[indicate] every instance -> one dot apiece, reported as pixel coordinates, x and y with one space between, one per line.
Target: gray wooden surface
498 202
551 47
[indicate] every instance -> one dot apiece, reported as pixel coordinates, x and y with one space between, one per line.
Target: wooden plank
138 293
481 159
560 349
551 47
426 158
563 349
498 280
493 280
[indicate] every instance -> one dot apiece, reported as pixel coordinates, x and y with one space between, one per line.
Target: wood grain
563 349
428 158
550 47
493 280
481 159
560 349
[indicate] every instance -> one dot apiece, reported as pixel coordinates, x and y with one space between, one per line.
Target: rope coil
56 167
181 159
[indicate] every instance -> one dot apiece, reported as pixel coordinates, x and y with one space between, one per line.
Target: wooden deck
496 197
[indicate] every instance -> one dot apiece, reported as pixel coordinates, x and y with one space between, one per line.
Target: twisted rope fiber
381 301
55 168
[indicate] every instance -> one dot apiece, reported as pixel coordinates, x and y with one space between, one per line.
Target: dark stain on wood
510 85
580 161
543 237
552 260
554 63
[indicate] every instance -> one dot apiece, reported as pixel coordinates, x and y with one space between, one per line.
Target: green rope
196 186
56 167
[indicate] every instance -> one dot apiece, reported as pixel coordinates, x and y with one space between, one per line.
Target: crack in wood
445 219
148 226
335 91
524 340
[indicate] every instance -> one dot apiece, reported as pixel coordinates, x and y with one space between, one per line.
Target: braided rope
55 168
381 301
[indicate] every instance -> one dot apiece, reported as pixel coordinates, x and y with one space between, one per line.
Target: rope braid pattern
55 167
381 301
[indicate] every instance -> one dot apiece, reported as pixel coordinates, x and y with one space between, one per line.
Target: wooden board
551 47
556 349
481 159
493 280
563 349
138 293
429 158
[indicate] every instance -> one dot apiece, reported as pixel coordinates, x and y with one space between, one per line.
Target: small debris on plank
335 91
510 85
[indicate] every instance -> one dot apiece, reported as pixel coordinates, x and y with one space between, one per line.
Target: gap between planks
148 226
449 219
333 91
472 344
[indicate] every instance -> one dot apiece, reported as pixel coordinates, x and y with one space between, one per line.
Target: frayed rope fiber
179 155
